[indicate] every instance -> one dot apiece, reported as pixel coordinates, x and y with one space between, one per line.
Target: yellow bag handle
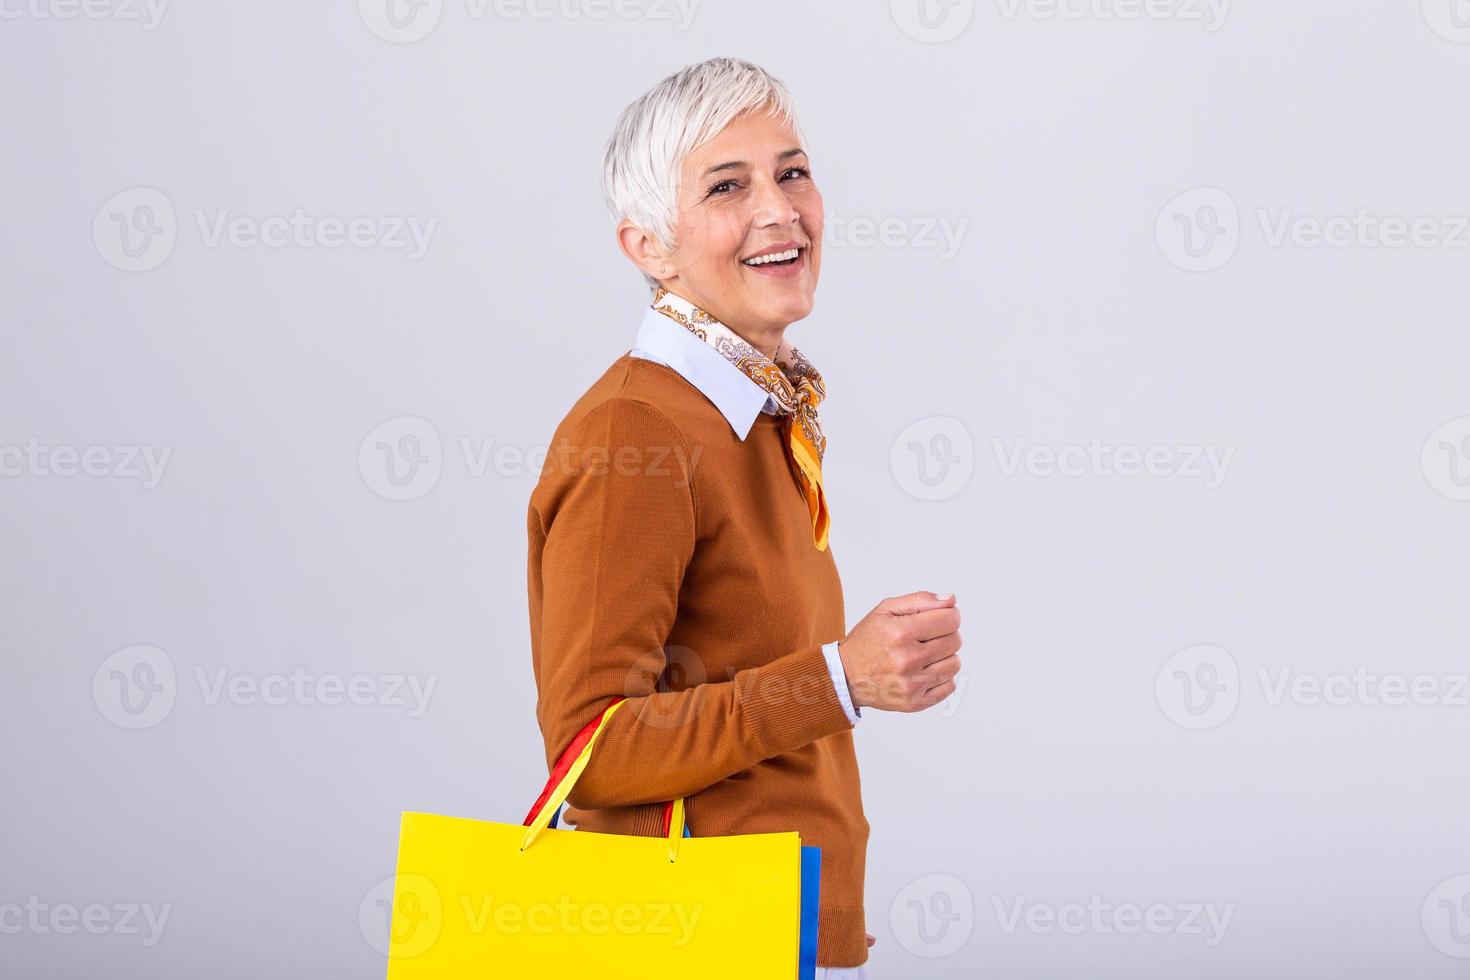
564 788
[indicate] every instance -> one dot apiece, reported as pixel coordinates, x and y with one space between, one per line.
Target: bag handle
568 770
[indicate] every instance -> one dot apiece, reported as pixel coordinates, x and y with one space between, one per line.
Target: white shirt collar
737 397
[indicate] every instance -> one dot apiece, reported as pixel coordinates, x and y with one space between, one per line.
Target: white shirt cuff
839 681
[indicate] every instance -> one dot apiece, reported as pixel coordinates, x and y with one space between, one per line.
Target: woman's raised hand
902 656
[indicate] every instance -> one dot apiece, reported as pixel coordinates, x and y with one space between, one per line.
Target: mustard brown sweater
673 564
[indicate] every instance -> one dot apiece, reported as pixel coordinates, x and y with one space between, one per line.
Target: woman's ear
644 250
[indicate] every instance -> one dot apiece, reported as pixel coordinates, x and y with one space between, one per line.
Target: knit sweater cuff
841 939
791 701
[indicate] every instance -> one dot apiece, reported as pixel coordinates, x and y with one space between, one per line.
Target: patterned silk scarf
790 379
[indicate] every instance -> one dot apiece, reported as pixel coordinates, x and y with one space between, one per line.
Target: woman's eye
723 186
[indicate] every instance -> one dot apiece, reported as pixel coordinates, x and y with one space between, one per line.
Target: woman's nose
773 207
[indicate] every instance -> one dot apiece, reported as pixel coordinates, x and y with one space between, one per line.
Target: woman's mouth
778 264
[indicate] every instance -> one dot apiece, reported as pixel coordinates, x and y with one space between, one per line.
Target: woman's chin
795 307
782 300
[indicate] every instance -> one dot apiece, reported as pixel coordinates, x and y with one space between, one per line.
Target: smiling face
745 195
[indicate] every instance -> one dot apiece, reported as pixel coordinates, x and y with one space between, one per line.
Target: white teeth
774 257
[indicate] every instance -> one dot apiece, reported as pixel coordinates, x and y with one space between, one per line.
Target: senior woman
689 570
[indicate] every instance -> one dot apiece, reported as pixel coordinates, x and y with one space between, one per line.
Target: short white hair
641 166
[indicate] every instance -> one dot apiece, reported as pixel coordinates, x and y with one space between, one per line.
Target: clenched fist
903 655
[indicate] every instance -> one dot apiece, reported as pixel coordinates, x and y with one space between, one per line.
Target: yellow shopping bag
477 899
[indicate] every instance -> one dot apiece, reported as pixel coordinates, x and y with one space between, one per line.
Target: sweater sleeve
619 534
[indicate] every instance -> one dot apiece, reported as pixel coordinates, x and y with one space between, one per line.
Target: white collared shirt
739 399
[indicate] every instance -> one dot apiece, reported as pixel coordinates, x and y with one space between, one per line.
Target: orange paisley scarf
790 379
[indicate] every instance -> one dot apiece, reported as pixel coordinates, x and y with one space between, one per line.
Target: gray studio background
1144 327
